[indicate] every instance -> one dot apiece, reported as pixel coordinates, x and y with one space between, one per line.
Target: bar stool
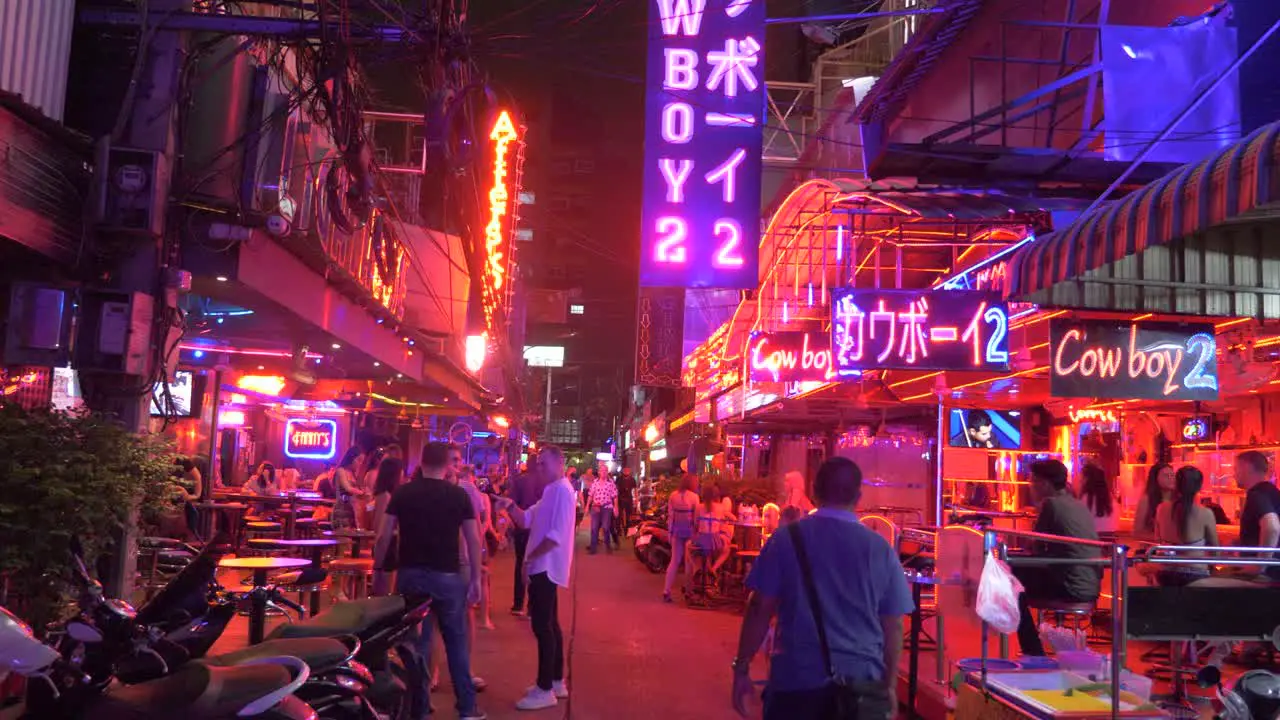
264 529
356 571
1063 610
306 528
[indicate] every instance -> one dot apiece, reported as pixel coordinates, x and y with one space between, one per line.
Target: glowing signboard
918 329
497 232
307 439
789 357
1125 360
703 143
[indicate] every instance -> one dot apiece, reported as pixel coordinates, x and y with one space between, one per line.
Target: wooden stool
357 571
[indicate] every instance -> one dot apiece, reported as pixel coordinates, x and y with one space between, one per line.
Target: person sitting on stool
1060 514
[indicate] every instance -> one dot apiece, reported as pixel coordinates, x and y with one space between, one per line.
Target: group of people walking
437 531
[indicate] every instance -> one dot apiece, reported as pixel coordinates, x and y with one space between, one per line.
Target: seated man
1060 514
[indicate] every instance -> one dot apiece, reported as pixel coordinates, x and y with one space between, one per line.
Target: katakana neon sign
703 145
497 232
918 329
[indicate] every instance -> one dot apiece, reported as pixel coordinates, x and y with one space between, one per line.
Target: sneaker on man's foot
518 612
476 714
560 690
537 699
478 683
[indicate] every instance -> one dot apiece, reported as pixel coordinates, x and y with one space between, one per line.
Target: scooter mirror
1209 676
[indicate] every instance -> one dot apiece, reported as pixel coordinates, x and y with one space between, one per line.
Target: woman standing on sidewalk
682 509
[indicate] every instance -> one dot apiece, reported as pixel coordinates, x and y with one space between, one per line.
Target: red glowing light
790 357
497 232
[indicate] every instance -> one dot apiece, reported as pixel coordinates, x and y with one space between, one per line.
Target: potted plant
65 476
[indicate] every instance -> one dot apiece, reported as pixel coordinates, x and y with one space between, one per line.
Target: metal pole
206 491
937 475
546 418
1118 569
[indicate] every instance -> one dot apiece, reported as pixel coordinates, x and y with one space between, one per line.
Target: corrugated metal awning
1240 182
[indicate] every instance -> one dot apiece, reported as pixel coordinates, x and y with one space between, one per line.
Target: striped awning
1238 182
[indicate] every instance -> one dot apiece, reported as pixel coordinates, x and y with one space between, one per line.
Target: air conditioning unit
131 187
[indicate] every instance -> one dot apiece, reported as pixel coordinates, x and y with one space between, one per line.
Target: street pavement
629 655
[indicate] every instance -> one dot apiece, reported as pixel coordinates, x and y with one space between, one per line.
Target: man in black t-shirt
436 514
1260 518
626 502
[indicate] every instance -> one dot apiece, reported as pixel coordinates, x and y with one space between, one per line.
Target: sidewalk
629 655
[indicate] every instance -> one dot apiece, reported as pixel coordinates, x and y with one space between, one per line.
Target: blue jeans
448 593
601 520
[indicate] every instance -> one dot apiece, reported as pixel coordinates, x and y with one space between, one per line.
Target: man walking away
547 562
839 595
525 491
1260 517
602 502
437 516
626 503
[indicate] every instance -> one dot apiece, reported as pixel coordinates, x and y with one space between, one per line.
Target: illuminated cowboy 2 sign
703 144
918 329
1125 360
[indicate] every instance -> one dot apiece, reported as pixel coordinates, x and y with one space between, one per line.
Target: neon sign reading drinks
306 439
497 232
1125 360
704 137
790 357
918 329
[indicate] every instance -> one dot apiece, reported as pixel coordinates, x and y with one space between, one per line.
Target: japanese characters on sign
660 346
789 357
918 329
307 439
703 142
1125 360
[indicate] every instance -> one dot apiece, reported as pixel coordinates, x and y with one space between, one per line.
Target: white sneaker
537 699
477 715
558 688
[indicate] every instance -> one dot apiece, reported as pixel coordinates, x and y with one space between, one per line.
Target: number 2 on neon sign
730 252
973 333
672 232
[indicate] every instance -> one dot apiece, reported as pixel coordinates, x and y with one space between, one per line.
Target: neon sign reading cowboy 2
701 214
1124 360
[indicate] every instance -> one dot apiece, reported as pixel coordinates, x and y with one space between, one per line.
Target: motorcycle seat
195 692
320 654
354 617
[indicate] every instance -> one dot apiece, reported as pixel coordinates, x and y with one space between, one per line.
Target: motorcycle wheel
657 558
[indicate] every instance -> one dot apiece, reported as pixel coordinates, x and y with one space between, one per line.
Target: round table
316 546
258 597
356 537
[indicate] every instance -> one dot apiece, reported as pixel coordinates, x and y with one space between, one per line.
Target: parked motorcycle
59 688
111 640
652 544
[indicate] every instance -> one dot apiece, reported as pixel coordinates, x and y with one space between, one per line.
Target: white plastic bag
998 595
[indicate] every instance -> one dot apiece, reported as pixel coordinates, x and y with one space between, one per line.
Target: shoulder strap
811 589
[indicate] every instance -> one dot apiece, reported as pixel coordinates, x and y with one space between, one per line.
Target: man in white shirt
548 558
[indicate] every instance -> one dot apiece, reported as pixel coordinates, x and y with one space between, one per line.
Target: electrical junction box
114 334
38 326
131 188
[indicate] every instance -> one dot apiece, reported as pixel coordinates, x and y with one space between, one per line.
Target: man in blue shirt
862 595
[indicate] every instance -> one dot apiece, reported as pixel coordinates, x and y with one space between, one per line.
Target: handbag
846 699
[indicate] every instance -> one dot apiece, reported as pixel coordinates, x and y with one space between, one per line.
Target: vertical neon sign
703 143
497 232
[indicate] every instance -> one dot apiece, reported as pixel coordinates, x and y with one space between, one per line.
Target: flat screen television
182 400
985 429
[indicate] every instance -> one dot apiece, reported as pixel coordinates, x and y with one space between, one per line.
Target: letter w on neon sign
681 17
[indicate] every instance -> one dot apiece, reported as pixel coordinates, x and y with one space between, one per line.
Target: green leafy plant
65 476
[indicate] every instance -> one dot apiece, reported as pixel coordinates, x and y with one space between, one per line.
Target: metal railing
1118 562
